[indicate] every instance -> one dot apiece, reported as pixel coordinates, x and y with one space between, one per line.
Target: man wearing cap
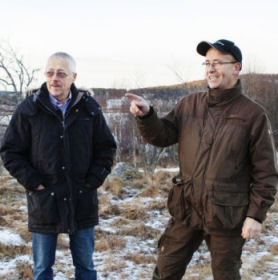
228 176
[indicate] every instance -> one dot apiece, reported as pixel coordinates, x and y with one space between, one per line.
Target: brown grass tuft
116 265
12 251
134 211
163 177
114 184
150 191
3 222
140 259
109 210
274 249
24 233
107 241
120 221
6 210
142 231
139 183
25 270
158 205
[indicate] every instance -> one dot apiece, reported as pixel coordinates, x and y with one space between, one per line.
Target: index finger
133 96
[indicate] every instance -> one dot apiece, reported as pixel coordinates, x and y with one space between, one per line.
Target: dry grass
158 205
9 276
8 185
24 270
258 269
6 210
108 241
114 184
150 191
119 222
107 210
140 258
274 249
12 250
115 265
24 233
155 183
140 183
134 211
198 271
141 231
127 220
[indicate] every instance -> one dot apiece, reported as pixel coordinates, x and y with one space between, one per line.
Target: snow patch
7 237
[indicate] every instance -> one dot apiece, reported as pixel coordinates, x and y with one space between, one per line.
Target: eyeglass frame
59 74
216 64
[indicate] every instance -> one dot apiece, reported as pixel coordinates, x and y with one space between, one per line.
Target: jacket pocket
87 204
228 209
42 207
178 202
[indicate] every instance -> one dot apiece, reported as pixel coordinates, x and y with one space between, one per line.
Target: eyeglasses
217 64
59 74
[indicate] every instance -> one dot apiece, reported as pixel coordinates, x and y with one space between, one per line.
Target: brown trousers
178 243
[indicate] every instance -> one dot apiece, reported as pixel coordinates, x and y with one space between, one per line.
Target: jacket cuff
96 178
151 111
256 219
258 215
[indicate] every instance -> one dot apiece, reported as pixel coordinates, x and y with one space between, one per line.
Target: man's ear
74 77
237 67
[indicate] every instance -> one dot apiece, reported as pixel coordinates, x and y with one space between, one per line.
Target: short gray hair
68 58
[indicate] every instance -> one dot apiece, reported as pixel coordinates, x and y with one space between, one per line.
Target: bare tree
14 74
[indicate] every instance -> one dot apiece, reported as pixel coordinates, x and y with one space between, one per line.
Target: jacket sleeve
15 151
160 132
104 148
264 169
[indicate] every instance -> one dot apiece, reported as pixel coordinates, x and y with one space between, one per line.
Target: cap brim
204 46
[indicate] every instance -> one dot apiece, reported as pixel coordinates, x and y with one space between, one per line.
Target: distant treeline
263 88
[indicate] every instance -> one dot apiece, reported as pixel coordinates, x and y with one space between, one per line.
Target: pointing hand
138 106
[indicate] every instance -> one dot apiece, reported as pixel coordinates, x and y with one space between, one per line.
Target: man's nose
55 76
211 68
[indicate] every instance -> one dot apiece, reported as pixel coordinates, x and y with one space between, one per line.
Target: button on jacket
69 155
226 155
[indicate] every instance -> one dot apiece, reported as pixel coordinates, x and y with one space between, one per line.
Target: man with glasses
228 176
59 147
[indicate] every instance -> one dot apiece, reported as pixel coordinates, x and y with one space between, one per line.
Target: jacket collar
218 97
43 96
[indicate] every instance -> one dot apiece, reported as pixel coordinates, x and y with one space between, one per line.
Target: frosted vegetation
133 214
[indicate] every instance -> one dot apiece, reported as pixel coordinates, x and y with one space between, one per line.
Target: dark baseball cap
222 45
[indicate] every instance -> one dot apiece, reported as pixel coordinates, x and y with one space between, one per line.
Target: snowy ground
132 255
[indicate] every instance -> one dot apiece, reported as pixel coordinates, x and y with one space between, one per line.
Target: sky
139 43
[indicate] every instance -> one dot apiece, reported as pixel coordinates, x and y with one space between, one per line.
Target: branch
176 73
12 64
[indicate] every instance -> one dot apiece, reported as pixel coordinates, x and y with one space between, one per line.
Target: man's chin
213 85
55 92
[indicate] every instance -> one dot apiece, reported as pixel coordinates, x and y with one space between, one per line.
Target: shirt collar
57 103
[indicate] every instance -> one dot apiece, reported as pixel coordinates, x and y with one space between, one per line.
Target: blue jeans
81 246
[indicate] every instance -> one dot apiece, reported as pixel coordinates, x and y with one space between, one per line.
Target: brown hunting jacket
226 156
